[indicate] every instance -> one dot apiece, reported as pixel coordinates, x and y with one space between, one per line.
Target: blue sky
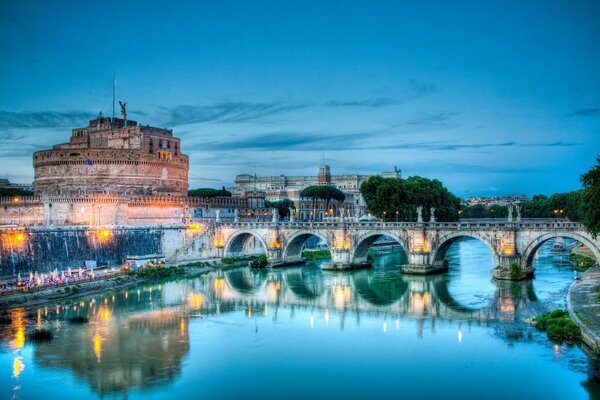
490 97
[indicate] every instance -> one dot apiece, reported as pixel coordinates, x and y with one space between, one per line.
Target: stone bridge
425 243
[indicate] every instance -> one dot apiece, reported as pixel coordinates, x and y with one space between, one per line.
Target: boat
385 247
558 246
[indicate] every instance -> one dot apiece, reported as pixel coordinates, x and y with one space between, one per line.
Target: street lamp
397 215
17 200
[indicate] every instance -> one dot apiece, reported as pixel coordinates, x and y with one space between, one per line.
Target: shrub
260 262
516 272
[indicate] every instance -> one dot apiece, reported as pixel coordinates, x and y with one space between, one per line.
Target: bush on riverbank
233 260
316 254
558 326
161 272
516 271
583 262
259 262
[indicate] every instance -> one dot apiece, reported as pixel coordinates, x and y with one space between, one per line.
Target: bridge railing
460 225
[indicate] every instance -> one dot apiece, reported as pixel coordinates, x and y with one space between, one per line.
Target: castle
115 172
113 156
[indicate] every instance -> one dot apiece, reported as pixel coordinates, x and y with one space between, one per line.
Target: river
306 333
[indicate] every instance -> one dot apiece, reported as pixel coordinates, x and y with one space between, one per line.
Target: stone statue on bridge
510 213
218 216
420 214
519 220
236 215
432 212
292 212
357 213
274 215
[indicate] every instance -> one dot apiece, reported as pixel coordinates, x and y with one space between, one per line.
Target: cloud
228 111
586 112
372 103
43 119
413 89
438 119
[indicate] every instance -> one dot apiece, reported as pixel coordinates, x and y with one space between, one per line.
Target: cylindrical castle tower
113 156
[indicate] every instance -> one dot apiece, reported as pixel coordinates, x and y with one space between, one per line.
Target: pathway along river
306 333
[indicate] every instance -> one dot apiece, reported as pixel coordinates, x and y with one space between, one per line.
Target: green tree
391 197
323 192
590 199
10 192
209 192
282 206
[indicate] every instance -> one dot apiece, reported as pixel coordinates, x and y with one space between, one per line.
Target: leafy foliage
516 272
590 199
282 206
260 262
392 197
559 326
209 192
323 192
8 192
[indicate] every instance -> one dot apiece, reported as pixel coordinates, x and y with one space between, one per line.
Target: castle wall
24 251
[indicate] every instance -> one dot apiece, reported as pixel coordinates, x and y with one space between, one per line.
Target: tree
10 192
389 198
590 199
282 206
323 192
209 192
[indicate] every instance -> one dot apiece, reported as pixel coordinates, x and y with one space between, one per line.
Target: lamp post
17 201
397 215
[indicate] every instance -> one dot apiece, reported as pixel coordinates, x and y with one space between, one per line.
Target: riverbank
583 304
106 283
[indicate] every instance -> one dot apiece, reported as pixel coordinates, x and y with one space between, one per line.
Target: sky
492 98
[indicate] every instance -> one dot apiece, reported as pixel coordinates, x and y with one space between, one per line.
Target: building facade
289 187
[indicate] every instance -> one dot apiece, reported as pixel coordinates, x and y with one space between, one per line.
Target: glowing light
266 311
326 315
126 295
18 367
384 327
104 235
420 245
97 344
312 321
194 227
218 241
249 312
182 326
397 324
460 335
274 244
195 300
104 314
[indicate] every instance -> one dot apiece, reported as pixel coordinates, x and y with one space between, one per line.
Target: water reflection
137 339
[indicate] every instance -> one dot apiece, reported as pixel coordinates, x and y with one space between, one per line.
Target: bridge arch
534 245
438 253
236 243
360 249
295 244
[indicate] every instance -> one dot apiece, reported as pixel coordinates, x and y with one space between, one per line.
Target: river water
306 333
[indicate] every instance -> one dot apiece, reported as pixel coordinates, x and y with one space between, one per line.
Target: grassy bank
310 255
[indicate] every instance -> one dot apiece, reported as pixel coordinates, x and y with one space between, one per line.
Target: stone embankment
583 303
100 285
